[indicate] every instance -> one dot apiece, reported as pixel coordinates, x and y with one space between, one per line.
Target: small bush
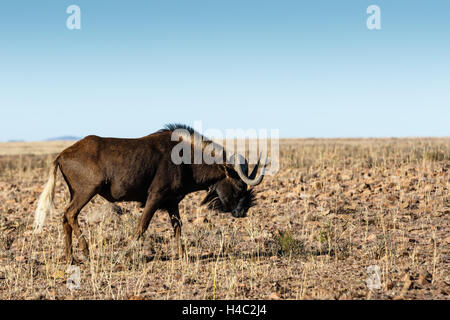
288 245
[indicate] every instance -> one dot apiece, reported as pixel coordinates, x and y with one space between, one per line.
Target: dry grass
35 148
335 208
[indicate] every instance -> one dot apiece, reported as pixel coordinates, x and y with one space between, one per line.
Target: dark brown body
131 169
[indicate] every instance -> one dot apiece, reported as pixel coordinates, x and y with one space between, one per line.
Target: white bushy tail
45 204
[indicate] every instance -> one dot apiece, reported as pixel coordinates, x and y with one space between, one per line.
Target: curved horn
255 169
242 170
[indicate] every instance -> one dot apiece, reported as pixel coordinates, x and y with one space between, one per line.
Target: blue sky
307 68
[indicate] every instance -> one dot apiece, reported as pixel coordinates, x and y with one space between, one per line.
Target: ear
213 201
209 196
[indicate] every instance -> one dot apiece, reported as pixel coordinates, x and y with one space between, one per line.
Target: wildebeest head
231 194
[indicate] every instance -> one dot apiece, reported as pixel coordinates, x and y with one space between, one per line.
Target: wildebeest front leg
150 208
176 224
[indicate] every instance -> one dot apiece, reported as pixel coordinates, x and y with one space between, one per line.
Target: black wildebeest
142 170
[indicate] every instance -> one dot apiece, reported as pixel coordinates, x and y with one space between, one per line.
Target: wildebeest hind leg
70 222
68 239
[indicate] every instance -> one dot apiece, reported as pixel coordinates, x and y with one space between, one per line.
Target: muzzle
239 213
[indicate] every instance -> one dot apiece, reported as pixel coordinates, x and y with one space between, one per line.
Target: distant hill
64 138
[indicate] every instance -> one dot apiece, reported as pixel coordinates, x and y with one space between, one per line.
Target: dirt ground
338 214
